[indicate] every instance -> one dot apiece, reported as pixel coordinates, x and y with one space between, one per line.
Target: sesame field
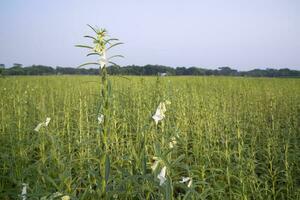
150 138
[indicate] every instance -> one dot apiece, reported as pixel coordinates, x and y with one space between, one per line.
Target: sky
242 34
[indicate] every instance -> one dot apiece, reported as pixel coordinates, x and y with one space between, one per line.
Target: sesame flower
48 119
187 179
100 118
40 125
103 59
37 128
190 183
160 113
24 191
162 176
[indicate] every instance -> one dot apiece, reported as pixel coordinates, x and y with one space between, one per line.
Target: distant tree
132 70
114 70
16 70
194 71
2 68
285 72
39 70
152 70
17 65
65 70
181 71
227 71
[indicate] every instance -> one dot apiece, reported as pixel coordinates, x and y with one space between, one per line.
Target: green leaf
90 63
84 46
179 159
93 29
109 87
90 54
107 168
115 56
51 180
87 36
168 194
112 63
113 45
111 39
157 149
187 195
144 162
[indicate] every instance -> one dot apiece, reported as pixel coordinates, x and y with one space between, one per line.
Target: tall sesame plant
102 43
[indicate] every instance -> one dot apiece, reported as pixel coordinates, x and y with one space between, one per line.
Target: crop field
215 138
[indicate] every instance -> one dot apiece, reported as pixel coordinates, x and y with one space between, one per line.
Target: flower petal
100 118
37 128
185 179
190 183
160 113
48 119
162 175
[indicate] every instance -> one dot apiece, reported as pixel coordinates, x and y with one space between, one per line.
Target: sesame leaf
90 63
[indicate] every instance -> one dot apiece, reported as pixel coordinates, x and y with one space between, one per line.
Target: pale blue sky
243 34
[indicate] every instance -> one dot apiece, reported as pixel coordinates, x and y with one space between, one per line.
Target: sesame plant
101 44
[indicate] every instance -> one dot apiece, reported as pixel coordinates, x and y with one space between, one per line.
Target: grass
237 138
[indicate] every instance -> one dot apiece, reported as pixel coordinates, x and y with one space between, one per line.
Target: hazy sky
243 34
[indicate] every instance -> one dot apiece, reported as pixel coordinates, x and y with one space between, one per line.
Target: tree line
146 70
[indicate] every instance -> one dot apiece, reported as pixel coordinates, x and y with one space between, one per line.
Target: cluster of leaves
102 43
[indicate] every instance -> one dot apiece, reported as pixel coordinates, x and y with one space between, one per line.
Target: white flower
37 128
100 118
24 191
173 142
186 179
160 113
103 59
48 119
46 123
154 166
190 183
162 176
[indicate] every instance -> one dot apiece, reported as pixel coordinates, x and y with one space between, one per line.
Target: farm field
229 137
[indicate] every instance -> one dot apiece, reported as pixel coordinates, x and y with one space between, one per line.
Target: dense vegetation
236 138
17 69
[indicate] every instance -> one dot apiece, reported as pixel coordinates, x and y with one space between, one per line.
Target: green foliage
237 138
101 44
